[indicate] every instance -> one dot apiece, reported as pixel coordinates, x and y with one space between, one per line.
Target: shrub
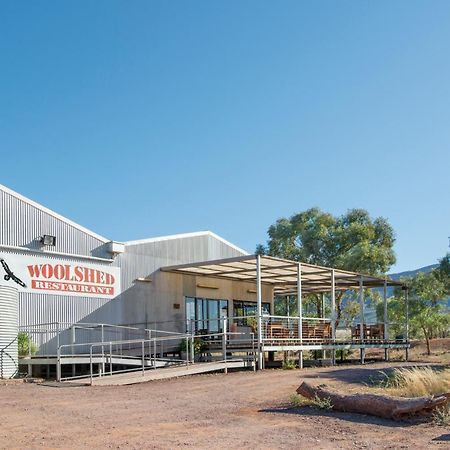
343 354
25 345
322 403
296 400
199 346
289 364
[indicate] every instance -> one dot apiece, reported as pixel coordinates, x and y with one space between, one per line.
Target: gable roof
187 235
52 213
103 239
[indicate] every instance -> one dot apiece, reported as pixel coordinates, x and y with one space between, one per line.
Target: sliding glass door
203 314
243 310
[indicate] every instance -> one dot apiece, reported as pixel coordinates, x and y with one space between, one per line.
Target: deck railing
294 330
151 355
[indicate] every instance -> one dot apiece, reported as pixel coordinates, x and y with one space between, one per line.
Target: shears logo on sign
10 275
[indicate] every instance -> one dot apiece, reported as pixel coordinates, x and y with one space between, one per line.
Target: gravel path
215 411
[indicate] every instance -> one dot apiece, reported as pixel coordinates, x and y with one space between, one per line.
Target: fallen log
376 405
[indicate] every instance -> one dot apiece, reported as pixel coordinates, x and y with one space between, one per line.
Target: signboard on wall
59 276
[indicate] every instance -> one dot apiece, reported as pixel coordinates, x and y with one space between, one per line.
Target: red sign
64 277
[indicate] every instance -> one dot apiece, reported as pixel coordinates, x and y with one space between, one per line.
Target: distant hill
411 273
370 313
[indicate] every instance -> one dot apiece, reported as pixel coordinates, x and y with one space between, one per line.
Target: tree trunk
376 405
318 305
338 299
427 340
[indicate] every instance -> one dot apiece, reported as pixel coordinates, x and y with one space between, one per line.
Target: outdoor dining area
287 278
314 331
370 332
279 330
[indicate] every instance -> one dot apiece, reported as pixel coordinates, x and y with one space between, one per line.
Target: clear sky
145 118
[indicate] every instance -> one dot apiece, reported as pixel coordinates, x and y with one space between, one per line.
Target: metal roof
52 213
281 273
184 236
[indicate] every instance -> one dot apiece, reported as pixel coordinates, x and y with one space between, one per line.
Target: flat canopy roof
281 273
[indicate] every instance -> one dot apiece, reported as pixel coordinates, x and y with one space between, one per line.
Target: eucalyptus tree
353 241
428 312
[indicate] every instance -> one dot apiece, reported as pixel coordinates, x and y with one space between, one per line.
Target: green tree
430 320
429 287
353 241
396 314
442 272
350 311
427 313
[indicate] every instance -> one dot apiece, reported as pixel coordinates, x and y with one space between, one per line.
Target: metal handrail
127 341
90 325
189 358
3 352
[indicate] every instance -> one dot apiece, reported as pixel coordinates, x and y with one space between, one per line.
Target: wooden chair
277 331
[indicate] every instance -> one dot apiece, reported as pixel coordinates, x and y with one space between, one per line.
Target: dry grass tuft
296 401
441 416
417 382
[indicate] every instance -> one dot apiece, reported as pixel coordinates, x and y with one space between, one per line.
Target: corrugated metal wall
22 223
144 258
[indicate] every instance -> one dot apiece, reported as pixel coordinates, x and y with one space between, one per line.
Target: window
204 314
245 309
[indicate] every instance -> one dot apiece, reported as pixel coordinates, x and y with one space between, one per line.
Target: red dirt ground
216 411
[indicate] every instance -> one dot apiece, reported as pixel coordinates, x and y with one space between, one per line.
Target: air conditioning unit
115 247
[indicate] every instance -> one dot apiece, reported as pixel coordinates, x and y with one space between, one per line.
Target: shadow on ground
362 375
308 411
442 438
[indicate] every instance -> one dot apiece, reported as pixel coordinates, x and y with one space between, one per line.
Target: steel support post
110 359
259 312
58 364
385 320
253 351
323 317
188 349
30 367
361 324
192 354
143 357
149 339
103 349
224 343
407 323
91 368
300 313
73 341
57 334
333 316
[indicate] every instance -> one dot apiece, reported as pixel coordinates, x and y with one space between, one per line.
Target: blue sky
146 118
